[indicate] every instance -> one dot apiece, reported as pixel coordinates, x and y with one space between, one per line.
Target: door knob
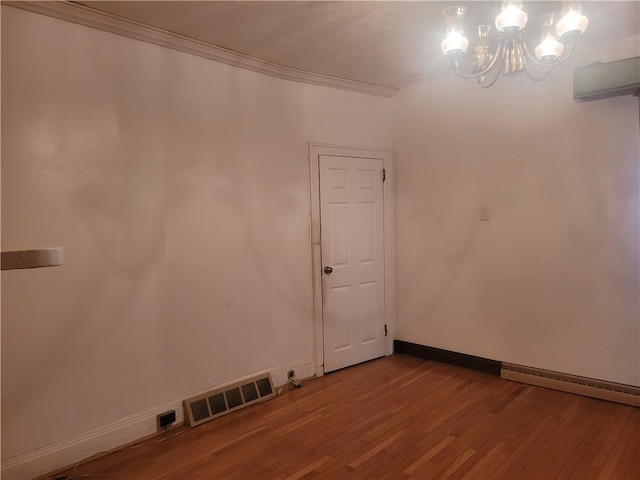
328 270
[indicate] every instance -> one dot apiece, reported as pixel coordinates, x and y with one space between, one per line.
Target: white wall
179 190
552 280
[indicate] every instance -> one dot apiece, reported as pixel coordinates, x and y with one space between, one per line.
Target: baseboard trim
75 449
126 431
471 362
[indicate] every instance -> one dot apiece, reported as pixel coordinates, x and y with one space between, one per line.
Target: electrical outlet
292 379
167 418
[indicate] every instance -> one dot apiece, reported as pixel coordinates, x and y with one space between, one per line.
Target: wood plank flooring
399 417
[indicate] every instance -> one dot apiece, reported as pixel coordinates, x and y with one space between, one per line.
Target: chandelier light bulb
572 20
512 16
550 48
455 42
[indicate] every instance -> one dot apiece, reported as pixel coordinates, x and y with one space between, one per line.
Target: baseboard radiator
613 392
588 387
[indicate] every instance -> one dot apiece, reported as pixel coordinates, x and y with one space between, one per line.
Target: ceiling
385 43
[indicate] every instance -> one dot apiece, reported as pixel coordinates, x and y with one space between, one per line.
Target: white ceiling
386 43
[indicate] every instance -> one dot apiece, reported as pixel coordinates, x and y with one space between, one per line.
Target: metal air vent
218 402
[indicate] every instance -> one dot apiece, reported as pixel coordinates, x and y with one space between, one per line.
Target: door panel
352 239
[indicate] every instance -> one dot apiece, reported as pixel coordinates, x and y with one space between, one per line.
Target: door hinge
384 174
386 332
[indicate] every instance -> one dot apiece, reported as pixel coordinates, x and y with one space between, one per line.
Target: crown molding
90 17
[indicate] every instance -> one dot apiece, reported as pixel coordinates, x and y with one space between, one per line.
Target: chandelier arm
496 56
481 80
566 53
544 73
531 76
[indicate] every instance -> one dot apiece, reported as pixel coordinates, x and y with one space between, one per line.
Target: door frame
315 151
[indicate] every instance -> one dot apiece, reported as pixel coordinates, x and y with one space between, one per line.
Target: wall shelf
32 258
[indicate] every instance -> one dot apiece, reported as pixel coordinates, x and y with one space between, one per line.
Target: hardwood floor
398 417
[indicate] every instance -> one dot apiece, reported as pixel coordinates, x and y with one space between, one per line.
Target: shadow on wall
186 226
200 206
554 273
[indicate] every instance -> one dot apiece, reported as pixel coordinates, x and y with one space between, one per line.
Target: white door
352 252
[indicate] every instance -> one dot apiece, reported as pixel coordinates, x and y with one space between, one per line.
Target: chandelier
506 50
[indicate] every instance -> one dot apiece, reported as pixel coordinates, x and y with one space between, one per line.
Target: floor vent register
218 402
